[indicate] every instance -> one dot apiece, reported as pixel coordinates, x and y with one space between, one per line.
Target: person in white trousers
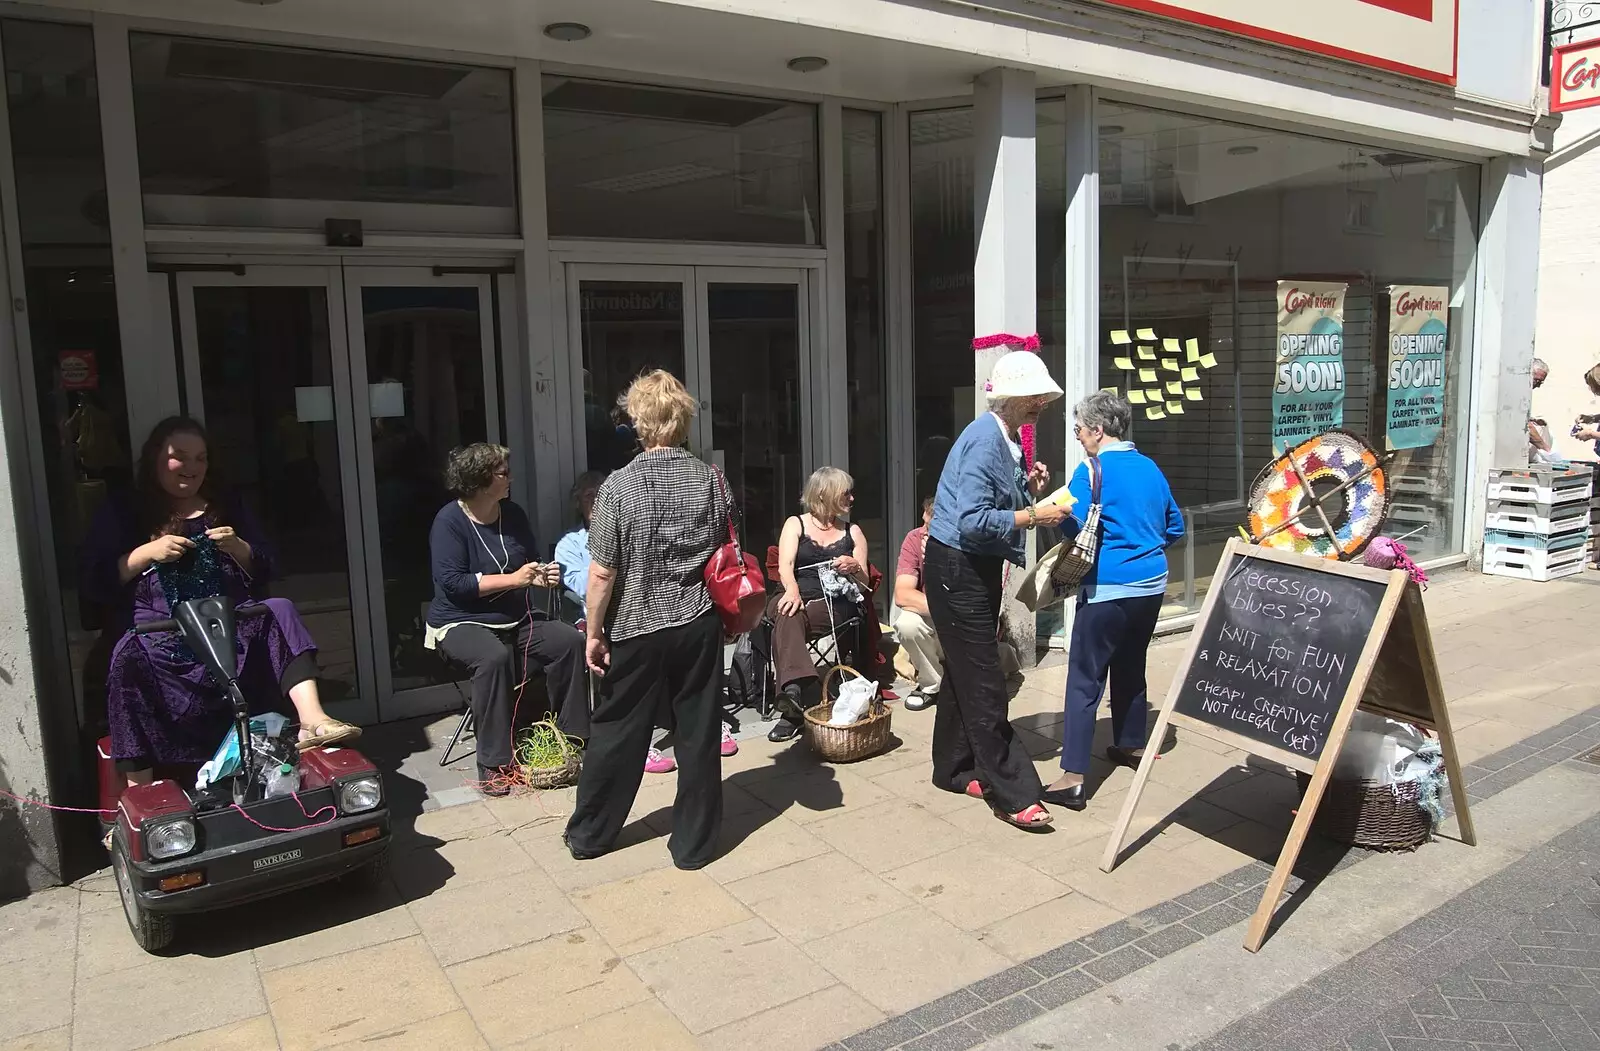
912 624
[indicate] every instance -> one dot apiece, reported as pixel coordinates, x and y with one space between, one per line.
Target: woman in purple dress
176 540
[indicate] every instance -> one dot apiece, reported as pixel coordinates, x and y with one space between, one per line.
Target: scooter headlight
360 794
169 839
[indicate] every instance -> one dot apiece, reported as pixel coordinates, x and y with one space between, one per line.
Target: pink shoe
729 745
656 763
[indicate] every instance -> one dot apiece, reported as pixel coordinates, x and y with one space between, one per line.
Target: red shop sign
79 370
1575 76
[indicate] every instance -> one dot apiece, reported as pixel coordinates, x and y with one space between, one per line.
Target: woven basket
845 744
554 776
1368 814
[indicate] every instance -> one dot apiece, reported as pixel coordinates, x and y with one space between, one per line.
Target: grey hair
1539 366
1107 411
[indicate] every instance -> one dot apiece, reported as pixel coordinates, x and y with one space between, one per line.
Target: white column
1004 280
1006 201
1506 320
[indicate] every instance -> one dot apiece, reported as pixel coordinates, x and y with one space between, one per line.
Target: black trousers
972 734
499 663
679 668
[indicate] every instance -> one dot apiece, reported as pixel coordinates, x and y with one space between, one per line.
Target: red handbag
734 580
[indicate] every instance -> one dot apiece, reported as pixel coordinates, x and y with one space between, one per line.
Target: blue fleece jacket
1139 520
981 489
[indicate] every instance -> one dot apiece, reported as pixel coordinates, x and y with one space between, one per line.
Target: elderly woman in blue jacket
1120 598
980 518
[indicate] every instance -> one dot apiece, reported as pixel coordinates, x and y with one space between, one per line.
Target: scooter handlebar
152 627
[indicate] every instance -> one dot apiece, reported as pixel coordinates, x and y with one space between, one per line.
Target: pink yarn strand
1005 339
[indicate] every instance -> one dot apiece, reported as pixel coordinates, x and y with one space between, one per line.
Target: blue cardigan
981 489
1139 520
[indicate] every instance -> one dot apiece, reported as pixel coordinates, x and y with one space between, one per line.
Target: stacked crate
1592 550
1538 521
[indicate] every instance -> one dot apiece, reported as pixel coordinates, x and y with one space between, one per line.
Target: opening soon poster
1419 336
1308 391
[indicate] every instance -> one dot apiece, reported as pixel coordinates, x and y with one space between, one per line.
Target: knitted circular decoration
1325 462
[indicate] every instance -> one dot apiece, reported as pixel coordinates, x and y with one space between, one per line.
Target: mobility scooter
174 851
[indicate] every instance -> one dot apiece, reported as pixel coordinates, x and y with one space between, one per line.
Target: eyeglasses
503 472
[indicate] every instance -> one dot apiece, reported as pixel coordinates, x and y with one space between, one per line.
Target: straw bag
1062 569
865 737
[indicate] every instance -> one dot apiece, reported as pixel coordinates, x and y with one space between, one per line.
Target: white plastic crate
1530 564
1522 518
1511 539
1541 485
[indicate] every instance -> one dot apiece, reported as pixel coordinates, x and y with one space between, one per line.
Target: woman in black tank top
822 536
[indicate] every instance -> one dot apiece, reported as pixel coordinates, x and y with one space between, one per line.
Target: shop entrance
739 338
333 394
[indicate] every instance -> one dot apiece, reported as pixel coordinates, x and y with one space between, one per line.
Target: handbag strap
727 497
1094 479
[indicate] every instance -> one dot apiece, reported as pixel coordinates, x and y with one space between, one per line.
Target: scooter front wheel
152 931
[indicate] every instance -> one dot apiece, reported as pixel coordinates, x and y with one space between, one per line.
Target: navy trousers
1107 637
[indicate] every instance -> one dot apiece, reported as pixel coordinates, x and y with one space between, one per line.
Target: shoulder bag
1061 571
734 579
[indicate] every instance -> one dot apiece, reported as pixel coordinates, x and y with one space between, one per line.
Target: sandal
327 733
1033 818
974 789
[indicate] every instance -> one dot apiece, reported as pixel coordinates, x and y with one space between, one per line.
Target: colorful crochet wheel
1282 517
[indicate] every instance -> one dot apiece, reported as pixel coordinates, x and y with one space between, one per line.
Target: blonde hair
661 409
824 493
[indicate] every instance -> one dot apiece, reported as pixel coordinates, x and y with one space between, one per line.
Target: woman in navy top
482 549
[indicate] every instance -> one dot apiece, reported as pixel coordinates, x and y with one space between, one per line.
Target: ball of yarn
1381 553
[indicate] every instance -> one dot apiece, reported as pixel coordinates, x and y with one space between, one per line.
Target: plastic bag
1379 749
855 697
226 760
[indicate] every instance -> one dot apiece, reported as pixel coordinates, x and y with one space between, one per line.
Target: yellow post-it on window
1170 346
1190 375
1125 364
1153 393
1192 345
1208 361
1136 397
1155 412
1147 353
1175 408
1108 390
1147 334
1192 394
1120 336
1147 375
1170 364
1175 387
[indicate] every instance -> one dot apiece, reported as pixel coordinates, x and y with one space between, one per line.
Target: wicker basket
1371 815
554 776
844 744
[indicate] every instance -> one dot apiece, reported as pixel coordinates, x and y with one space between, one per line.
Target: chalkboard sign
1285 650
1275 657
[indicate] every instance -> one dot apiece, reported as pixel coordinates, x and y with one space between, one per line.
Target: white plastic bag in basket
855 697
1378 749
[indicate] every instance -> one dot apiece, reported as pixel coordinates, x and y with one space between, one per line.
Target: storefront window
71 317
646 163
1202 225
225 128
863 276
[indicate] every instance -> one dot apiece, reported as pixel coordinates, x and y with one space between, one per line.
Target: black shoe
494 781
580 855
785 729
790 706
1070 798
1123 757
919 700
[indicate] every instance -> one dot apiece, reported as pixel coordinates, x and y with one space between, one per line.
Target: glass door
266 368
333 395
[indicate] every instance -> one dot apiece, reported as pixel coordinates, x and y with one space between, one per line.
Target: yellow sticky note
1125 364
1153 393
1120 336
1147 375
1191 393
1108 390
1170 346
1191 355
1136 397
1147 353
1193 346
1155 412
1175 387
1190 375
1208 361
1147 333
1175 408
1170 364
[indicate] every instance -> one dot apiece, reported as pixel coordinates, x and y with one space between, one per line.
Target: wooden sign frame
1400 614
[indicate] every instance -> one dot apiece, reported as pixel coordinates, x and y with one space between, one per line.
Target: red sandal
1034 817
974 789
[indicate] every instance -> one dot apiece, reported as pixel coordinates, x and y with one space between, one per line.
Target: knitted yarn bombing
1326 461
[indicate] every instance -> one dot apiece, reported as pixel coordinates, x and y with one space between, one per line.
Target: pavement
856 906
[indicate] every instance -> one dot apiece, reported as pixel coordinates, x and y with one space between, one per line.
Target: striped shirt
656 523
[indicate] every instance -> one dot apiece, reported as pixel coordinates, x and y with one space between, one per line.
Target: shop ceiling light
567 31
1111 129
1243 151
808 64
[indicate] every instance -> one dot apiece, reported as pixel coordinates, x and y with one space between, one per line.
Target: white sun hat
1022 374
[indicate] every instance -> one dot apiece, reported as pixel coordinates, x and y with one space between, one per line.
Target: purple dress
161 703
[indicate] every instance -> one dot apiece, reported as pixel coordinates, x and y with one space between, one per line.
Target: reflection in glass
52 100
266 378
424 352
233 124
755 401
864 349
628 327
648 163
